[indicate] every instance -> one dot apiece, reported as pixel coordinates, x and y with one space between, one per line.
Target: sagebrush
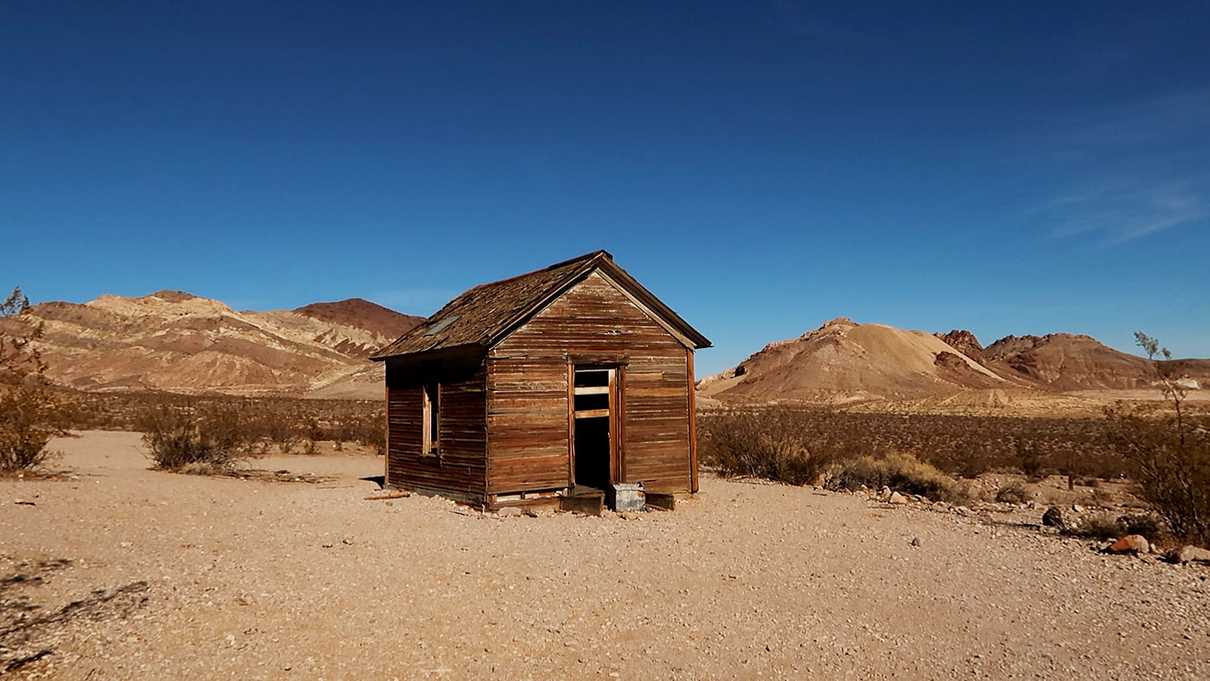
30 411
779 444
201 439
899 472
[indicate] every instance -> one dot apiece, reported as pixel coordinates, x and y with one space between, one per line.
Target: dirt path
188 577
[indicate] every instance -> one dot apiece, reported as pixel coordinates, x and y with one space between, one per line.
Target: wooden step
590 502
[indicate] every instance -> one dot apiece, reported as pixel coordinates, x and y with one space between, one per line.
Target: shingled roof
488 312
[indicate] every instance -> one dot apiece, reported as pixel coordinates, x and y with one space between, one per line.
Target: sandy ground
127 573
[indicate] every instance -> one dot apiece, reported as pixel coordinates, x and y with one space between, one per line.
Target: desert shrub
1168 455
371 431
1029 457
30 412
1102 526
1146 525
778 444
899 472
30 416
1012 493
197 439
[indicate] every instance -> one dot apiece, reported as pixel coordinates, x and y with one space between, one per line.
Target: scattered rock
1076 508
915 541
897 498
1131 543
1189 554
1053 517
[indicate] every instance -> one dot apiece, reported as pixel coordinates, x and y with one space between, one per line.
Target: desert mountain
180 342
1068 361
843 361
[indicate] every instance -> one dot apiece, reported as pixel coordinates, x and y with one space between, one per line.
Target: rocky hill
179 342
843 361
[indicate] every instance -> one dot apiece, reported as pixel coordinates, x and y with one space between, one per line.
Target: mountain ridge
844 361
180 342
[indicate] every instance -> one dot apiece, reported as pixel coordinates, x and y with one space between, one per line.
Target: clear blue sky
761 166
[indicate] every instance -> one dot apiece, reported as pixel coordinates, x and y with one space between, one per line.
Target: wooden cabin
552 384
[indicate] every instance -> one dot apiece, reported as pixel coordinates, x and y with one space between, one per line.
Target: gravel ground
127 573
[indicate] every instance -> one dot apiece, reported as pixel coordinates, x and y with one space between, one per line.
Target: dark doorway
593 407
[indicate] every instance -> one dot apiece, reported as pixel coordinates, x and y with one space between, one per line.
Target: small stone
509 512
915 541
1053 517
1076 508
897 498
1131 543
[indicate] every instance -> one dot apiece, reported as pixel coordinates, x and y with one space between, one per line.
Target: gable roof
487 313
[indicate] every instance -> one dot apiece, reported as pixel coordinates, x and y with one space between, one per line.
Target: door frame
617 470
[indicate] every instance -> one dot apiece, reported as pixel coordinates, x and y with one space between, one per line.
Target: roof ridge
482 313
587 256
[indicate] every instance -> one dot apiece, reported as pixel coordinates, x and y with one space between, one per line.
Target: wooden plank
531 419
571 425
662 500
592 390
612 413
584 504
693 471
592 414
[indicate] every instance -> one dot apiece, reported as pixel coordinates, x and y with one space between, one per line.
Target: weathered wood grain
528 426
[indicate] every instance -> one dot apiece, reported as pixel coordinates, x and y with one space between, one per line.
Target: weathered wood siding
527 380
460 469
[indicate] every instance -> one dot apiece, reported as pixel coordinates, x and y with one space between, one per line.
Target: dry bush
209 438
1103 527
1148 526
1012 493
1168 455
372 432
30 412
29 417
1029 458
966 446
779 444
899 472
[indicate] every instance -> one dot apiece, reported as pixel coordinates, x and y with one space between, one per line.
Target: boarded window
431 420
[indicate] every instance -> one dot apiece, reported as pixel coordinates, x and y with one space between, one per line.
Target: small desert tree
1169 457
29 413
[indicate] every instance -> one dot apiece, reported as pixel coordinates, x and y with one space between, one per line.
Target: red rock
1131 543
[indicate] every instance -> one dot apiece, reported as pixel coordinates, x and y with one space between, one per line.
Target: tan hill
180 342
1067 362
845 361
